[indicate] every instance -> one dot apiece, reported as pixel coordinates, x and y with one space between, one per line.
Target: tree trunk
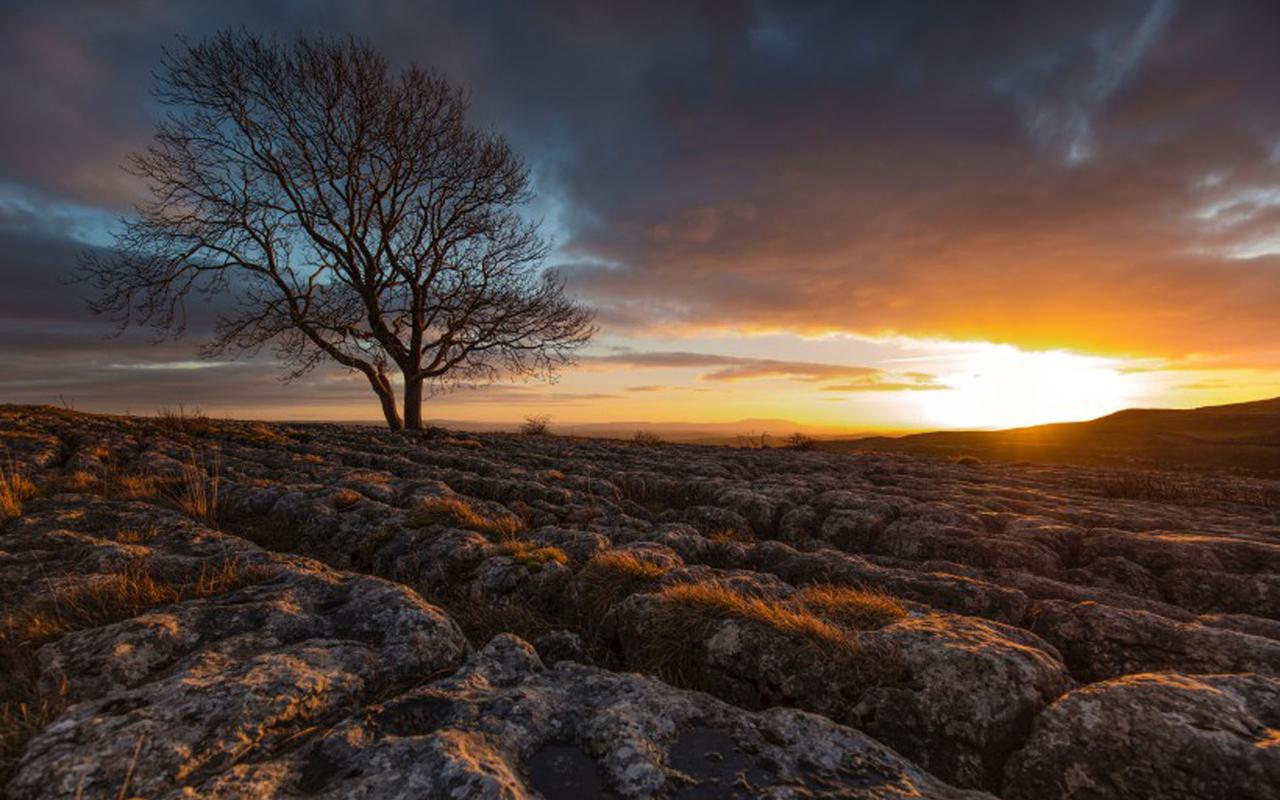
413 404
387 396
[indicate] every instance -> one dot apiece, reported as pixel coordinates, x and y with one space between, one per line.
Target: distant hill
717 433
1244 436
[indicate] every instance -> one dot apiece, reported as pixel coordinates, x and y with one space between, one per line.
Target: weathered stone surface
507 727
1100 642
1166 735
1012 575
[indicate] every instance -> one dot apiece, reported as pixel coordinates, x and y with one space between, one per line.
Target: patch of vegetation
181 421
725 535
612 576
94 601
456 512
687 612
480 622
344 499
196 492
753 441
15 489
855 609
539 425
533 556
800 441
646 438
465 444
1186 490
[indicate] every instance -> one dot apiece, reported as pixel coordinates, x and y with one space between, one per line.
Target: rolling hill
1243 436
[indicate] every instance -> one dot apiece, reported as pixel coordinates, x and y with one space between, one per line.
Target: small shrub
15 489
753 441
800 441
539 425
553 475
456 512
646 438
967 461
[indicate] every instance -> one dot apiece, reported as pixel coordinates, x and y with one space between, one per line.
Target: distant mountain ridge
1245 436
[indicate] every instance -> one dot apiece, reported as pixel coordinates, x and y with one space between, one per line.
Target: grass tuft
456 512
196 492
532 556
855 609
15 489
687 612
92 602
612 576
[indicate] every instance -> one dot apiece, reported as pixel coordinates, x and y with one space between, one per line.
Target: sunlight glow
1000 386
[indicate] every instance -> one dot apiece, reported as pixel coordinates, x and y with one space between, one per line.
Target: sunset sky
857 216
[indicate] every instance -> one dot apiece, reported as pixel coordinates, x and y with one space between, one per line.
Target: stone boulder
1165 735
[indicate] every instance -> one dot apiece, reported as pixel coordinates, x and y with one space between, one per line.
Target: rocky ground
199 608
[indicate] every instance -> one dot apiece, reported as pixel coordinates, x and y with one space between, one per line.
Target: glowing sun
1000 386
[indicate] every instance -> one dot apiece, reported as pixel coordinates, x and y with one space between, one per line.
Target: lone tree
348 211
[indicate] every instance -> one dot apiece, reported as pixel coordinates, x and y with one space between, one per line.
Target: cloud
878 385
732 368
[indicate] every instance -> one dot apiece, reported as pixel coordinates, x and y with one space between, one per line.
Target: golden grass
856 609
344 499
612 576
94 601
456 512
534 557
180 420
197 490
686 612
726 535
15 489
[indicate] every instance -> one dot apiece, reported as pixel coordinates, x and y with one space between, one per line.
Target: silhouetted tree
349 211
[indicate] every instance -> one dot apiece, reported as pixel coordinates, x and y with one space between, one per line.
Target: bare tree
350 213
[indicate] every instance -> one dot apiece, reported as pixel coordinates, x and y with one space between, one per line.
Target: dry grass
534 557
196 492
855 609
480 622
15 489
465 444
612 576
687 612
95 601
182 421
726 535
344 499
1187 490
457 513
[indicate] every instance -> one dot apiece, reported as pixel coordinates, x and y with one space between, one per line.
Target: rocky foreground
203 609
